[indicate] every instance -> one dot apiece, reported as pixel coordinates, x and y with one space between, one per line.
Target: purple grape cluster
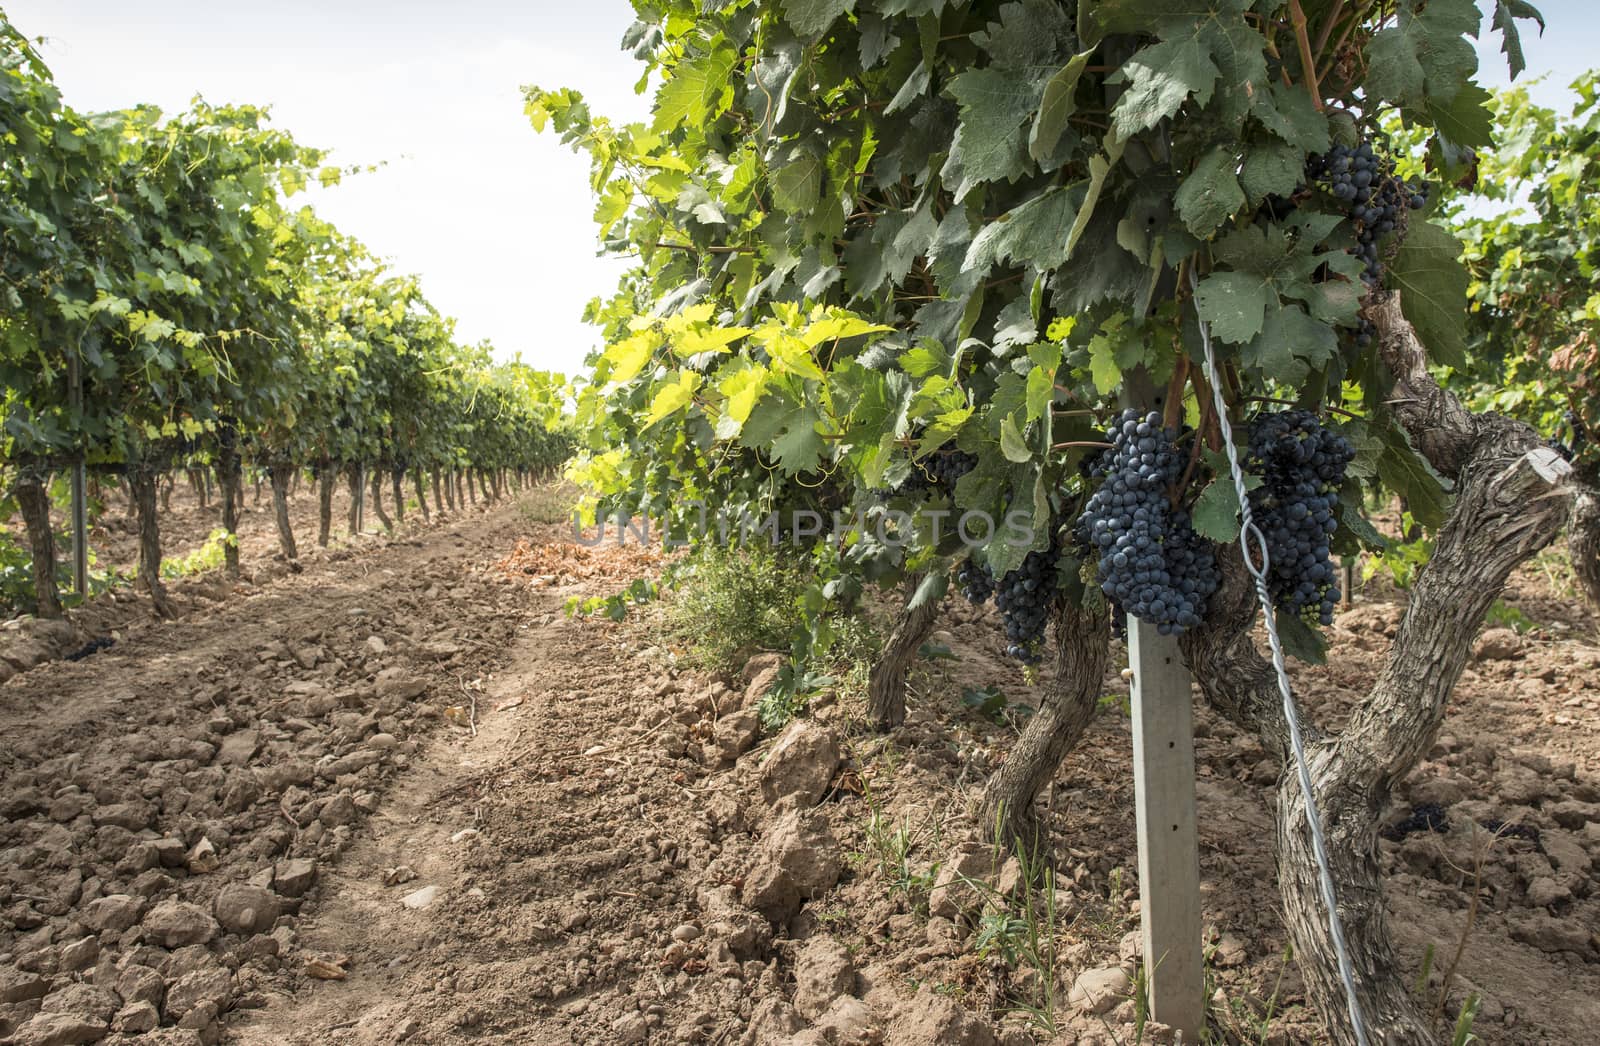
1152 564
1375 199
1301 465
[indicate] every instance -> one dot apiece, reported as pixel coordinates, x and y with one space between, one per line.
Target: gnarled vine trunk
33 501
230 480
1583 543
377 501
325 480
1066 707
1510 501
422 495
279 476
143 482
395 478
438 498
357 496
886 685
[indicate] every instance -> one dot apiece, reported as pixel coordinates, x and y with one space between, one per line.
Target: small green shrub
731 603
209 556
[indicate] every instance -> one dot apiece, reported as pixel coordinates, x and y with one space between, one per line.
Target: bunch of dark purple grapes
1374 198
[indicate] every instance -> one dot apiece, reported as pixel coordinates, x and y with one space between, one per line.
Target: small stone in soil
421 899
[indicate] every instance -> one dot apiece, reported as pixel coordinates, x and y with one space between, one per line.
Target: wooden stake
1169 857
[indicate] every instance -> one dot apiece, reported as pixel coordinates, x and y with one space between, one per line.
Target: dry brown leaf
324 970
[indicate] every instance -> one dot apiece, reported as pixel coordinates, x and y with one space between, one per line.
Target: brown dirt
568 789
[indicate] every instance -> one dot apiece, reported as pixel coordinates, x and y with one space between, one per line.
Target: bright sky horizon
494 219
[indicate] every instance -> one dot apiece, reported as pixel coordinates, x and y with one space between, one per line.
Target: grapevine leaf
1216 511
1103 369
1099 167
1368 446
797 185
944 427
994 105
1056 107
1289 113
1211 193
1036 231
1041 391
1425 54
673 398
1011 442
1406 472
1466 120
1160 79
811 18
628 356
1433 291
914 87
695 90
877 39
1301 640
929 356
1506 13
798 446
743 388
1291 345
1271 168
1015 325
1356 523
692 342
1335 302
932 589
1234 304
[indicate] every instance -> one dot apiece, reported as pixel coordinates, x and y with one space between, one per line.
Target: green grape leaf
811 18
695 91
1160 79
995 103
1037 231
1406 472
1432 282
1041 391
1012 444
1271 168
1210 195
1425 53
1506 13
1056 107
799 446
1216 511
1466 120
1290 346
932 588
1234 304
1300 639
1288 112
797 185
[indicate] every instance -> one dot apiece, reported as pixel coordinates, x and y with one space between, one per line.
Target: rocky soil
401 797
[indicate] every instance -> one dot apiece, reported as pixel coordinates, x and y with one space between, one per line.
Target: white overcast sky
495 219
